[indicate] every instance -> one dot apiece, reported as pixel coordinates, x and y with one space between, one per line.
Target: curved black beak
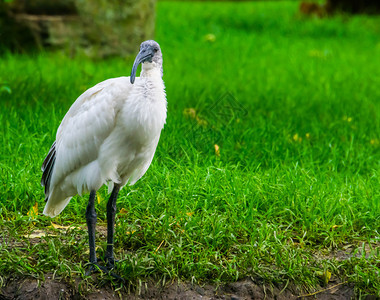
145 54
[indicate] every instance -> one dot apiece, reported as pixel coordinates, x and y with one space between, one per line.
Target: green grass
297 178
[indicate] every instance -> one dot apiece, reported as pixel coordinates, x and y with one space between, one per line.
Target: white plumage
109 135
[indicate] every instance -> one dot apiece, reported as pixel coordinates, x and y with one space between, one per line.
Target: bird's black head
150 52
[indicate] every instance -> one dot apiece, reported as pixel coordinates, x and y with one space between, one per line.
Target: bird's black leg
111 212
91 225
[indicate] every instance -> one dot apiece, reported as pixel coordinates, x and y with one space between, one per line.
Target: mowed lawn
268 165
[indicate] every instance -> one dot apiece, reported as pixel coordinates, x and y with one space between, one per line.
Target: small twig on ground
158 248
317 292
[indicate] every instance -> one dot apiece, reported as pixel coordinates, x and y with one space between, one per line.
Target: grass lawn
268 167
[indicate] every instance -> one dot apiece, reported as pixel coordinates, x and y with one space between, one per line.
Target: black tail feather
47 169
48 157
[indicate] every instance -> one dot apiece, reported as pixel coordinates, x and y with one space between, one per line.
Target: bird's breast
144 112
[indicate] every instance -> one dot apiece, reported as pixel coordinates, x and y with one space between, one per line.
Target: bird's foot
96 268
110 261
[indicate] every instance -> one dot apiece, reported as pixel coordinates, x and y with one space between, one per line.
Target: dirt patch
32 289
28 288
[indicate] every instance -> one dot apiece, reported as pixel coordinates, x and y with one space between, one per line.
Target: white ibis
109 135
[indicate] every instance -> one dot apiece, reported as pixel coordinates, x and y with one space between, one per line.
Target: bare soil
29 288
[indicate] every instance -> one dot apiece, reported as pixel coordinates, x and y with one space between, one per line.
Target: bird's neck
154 73
152 69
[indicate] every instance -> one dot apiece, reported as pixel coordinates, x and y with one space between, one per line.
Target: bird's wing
86 125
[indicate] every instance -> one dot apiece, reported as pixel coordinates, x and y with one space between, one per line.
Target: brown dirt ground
29 288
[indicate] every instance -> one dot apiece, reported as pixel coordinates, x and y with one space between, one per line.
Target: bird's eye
155 49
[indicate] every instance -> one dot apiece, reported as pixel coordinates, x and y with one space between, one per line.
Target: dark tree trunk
354 6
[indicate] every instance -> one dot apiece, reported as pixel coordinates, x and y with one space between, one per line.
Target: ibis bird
108 136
